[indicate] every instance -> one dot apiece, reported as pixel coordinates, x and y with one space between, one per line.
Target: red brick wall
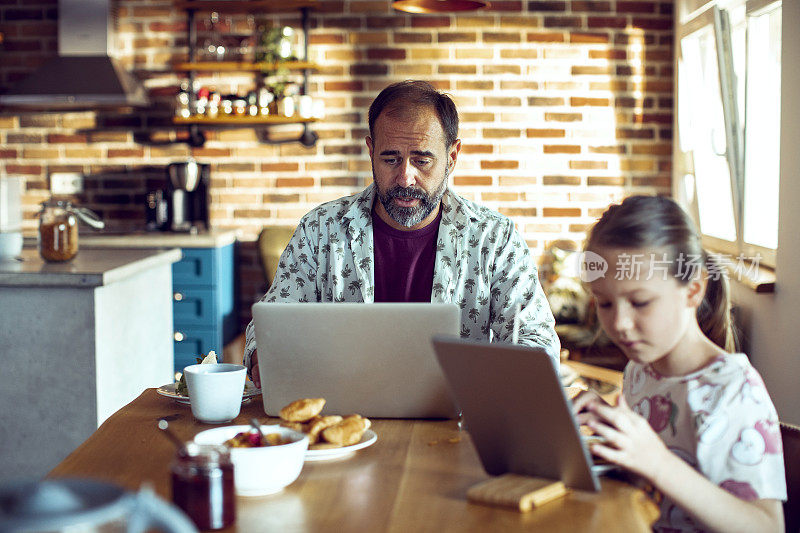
566 106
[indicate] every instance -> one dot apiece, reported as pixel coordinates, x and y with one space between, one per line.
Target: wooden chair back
271 242
791 457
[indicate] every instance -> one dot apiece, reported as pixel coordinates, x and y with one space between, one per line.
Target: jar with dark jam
202 485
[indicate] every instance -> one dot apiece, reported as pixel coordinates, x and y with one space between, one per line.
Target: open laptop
373 359
516 411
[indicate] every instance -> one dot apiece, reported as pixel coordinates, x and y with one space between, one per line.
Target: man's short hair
414 94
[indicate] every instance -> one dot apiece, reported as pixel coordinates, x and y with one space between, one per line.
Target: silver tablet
516 411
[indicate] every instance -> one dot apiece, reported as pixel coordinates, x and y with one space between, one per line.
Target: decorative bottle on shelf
286 106
182 101
252 103
239 106
214 102
226 105
265 99
286 44
201 105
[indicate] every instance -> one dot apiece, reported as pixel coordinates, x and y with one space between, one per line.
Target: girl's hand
581 406
632 444
630 441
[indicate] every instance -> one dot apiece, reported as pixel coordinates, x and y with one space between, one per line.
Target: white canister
10 203
305 106
10 217
286 106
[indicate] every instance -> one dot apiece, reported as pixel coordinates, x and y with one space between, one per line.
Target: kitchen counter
203 285
90 268
215 238
81 339
203 280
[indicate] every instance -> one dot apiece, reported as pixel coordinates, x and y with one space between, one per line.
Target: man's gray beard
411 216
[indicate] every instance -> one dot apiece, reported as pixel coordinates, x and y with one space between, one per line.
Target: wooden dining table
413 478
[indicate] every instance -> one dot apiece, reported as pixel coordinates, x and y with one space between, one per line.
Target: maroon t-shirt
404 261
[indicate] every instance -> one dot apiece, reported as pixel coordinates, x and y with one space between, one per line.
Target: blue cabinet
204 316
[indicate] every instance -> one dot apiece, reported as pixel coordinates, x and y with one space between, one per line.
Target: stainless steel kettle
81 504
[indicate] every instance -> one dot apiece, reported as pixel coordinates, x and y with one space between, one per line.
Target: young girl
700 427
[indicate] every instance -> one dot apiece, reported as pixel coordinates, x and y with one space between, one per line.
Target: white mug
215 391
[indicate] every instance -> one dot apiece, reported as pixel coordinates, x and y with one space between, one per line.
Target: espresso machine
183 205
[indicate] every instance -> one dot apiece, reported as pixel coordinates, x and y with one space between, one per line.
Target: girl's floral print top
721 421
482 264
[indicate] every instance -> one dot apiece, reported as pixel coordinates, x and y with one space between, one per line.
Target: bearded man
408 237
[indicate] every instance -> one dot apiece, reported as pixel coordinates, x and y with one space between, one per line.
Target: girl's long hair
655 222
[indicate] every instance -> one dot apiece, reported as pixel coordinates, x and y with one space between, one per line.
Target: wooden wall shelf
242 120
244 6
195 123
241 66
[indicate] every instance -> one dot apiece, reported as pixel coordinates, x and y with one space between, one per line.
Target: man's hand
254 372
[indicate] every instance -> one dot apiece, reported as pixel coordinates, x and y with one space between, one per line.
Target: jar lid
204 455
54 202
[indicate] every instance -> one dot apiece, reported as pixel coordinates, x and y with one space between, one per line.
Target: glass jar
239 106
202 485
286 44
58 231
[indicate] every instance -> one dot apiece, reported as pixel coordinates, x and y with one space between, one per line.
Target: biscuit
318 423
302 410
297 426
347 432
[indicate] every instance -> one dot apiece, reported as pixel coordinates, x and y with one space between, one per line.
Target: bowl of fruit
263 462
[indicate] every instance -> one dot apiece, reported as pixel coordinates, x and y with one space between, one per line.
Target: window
703 134
729 77
762 129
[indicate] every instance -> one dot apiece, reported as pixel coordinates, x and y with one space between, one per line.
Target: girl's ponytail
714 312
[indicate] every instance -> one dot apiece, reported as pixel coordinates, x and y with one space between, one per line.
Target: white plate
368 439
168 390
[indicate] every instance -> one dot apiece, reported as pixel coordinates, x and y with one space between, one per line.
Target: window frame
768 255
693 16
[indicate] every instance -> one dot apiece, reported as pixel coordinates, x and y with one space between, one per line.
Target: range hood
83 75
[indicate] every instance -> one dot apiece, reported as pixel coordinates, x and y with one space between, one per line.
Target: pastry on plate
324 432
302 410
347 432
317 424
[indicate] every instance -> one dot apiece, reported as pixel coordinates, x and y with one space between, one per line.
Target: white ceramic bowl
264 470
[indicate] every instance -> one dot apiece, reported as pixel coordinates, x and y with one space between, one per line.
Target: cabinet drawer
191 343
183 360
196 268
194 306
